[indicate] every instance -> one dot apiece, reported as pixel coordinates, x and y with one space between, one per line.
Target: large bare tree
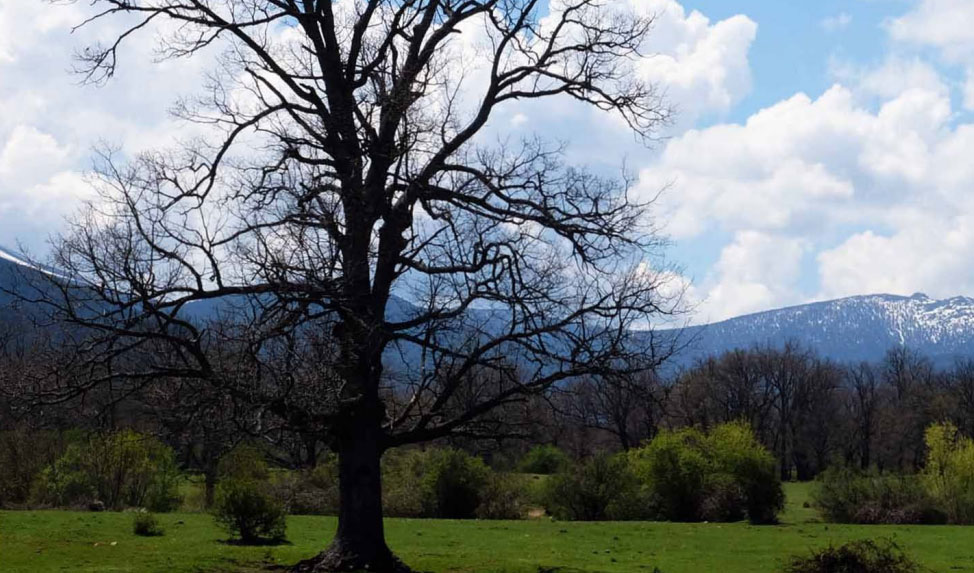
391 272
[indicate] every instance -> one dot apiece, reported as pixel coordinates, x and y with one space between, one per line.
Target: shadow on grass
289 567
261 542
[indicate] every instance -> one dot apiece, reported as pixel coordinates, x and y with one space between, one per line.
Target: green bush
23 455
738 454
453 484
600 488
246 510
244 462
846 495
503 497
942 493
545 459
864 556
722 475
723 499
673 468
948 475
402 482
122 469
449 484
145 524
245 505
310 492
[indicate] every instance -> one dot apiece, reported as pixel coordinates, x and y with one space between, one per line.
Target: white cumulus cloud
944 24
755 271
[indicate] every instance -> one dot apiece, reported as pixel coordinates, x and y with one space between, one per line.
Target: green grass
69 541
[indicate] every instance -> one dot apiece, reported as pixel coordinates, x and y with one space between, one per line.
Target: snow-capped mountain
845 330
16 272
10 267
849 329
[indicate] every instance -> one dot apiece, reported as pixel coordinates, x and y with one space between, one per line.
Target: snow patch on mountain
849 329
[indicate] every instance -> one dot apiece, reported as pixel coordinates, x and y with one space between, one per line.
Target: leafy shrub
246 510
23 455
453 484
145 524
545 459
948 475
502 497
846 495
864 556
724 499
244 462
244 503
942 493
435 483
313 492
600 488
535 489
719 476
674 468
122 469
738 454
402 482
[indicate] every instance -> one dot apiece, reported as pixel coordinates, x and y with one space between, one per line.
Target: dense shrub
545 459
738 454
246 510
453 484
689 475
145 524
23 455
601 488
846 495
674 468
309 492
402 482
864 556
503 497
244 462
447 483
245 505
723 499
122 469
948 475
942 493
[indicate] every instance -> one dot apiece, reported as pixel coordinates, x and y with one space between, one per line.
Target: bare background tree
344 210
629 407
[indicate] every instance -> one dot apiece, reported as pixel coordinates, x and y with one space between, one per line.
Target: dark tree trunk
803 467
359 543
209 487
311 450
865 453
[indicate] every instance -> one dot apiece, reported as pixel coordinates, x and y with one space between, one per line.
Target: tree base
335 559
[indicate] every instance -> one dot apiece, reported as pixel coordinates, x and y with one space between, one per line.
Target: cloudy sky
821 149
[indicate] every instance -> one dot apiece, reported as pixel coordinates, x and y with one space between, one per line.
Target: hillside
846 330
849 329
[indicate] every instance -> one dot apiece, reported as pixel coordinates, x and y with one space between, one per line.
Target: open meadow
39 541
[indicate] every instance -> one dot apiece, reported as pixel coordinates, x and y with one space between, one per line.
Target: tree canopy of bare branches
345 204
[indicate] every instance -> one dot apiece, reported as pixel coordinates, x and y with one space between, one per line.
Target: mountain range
852 329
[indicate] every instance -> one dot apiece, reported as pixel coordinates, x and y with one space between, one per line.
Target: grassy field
68 541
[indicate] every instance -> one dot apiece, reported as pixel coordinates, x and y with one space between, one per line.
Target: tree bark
359 543
209 487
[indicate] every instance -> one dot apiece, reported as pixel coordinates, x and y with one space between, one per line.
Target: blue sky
822 149
797 40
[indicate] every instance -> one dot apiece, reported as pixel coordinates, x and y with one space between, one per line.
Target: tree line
807 410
